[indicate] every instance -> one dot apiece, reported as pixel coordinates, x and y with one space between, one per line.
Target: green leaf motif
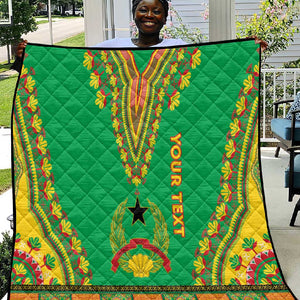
248 243
235 261
49 261
266 236
35 243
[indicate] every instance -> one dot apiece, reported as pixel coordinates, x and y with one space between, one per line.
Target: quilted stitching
88 174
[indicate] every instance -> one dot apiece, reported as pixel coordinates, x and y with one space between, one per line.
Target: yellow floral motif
76 245
86 281
124 155
195 59
152 140
119 140
227 170
46 167
116 124
248 83
155 126
204 245
101 99
136 180
42 144
27 281
104 56
36 123
180 55
19 269
235 127
185 79
199 281
140 265
148 155
115 93
83 264
109 68
49 190
31 103
241 105
226 192
95 78
29 84
265 281
214 228
230 149
166 80
173 68
161 94
144 171
56 210
256 69
128 170
113 80
221 211
271 270
199 264
66 227
114 109
24 71
88 60
174 100
158 110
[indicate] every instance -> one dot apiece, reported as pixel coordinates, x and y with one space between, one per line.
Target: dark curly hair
164 3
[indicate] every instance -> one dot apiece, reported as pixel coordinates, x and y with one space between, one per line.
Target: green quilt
137 175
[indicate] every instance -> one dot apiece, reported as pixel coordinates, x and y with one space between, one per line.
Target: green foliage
274 25
4 9
7 88
74 41
65 3
23 22
5 180
6 248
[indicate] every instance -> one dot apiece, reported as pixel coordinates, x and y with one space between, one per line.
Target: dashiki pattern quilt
137 175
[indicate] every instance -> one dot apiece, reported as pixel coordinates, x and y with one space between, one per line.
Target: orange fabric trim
16 296
86 296
212 297
278 296
147 297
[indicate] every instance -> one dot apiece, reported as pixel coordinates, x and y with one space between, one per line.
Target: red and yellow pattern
137 99
58 257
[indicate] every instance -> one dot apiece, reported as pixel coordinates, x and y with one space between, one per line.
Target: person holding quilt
149 16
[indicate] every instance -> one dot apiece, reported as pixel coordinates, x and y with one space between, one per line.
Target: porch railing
276 84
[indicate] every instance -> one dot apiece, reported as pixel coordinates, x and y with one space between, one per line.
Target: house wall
192 13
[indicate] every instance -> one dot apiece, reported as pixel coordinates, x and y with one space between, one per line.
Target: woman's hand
263 44
21 46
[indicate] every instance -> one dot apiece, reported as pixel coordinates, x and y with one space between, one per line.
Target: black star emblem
138 212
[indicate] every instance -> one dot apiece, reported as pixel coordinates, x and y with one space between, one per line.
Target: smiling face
149 17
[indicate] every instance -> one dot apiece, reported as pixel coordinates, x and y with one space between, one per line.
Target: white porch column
221 20
93 22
